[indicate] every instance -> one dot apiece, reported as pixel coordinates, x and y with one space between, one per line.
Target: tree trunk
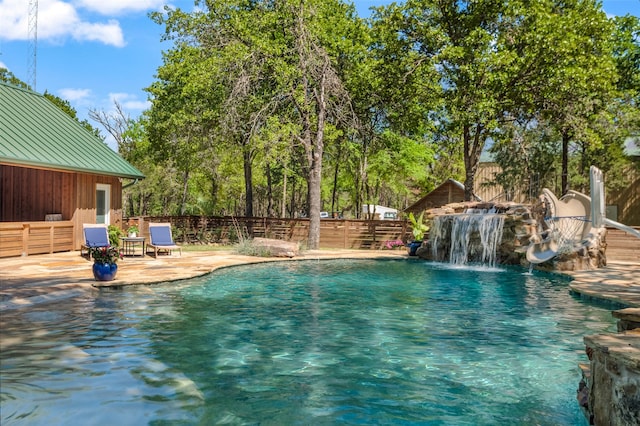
565 162
314 208
185 190
214 195
131 205
142 204
473 145
334 192
314 180
584 168
360 179
283 207
248 186
270 211
292 207
315 171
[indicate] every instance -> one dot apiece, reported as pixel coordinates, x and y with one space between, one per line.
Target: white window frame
107 202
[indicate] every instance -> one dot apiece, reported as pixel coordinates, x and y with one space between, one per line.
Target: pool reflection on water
326 342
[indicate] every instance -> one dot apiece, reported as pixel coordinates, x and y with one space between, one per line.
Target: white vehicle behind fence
372 211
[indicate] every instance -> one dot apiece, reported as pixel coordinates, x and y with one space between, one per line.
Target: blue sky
92 52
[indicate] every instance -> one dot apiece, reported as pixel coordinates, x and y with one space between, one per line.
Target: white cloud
74 95
137 105
14 24
119 7
110 33
128 101
119 97
57 20
3 65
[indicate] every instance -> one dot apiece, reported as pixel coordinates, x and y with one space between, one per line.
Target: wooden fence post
345 233
51 236
25 239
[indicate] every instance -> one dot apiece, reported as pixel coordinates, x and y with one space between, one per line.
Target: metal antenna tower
33 43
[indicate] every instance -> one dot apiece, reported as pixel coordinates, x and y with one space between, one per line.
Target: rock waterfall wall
458 235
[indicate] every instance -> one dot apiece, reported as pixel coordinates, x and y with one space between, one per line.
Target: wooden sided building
450 191
55 175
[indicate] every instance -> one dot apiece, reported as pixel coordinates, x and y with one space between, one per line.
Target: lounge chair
95 235
161 239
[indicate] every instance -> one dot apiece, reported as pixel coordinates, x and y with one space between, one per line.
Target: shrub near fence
334 233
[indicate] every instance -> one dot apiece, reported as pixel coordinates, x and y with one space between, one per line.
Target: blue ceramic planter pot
413 246
104 271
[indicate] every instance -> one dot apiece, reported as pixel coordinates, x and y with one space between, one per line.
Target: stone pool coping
40 278
29 280
618 282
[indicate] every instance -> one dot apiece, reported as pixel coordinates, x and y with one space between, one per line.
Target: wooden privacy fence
334 233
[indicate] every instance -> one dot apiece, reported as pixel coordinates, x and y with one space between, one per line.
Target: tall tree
265 58
568 45
316 90
184 108
467 44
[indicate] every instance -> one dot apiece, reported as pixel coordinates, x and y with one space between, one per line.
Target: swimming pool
311 342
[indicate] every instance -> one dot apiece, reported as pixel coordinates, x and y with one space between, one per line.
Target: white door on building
103 205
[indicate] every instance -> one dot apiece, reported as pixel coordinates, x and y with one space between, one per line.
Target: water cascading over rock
467 237
474 232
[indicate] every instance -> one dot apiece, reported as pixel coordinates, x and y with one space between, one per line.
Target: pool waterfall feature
486 233
501 233
463 247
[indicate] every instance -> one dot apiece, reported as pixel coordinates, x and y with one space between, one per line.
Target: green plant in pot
418 228
133 231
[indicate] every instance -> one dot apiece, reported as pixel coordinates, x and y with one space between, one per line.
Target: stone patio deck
619 282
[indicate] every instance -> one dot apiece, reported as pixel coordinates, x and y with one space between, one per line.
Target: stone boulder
277 248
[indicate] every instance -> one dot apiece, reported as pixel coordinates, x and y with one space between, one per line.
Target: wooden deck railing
26 238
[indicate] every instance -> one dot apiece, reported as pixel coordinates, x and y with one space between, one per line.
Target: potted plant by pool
132 231
105 264
418 228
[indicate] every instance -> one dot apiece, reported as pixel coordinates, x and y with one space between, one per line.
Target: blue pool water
297 343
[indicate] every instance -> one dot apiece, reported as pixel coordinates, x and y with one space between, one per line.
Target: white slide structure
569 223
575 219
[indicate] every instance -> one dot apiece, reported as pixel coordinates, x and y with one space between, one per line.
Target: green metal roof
36 133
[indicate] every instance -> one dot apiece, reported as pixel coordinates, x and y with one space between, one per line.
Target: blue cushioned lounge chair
95 235
161 239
